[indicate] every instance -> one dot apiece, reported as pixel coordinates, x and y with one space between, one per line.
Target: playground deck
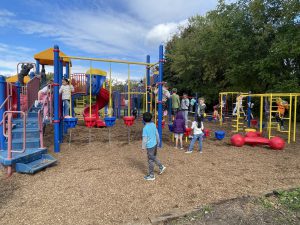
95 183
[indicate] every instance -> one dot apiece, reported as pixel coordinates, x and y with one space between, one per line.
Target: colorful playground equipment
95 80
103 94
269 108
254 138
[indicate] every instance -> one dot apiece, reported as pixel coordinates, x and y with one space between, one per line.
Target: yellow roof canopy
14 79
46 57
94 71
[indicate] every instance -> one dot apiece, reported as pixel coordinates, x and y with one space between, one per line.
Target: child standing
185 103
197 127
66 90
201 107
150 142
179 128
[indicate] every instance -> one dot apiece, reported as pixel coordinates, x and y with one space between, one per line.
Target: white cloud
99 29
163 32
11 56
6 13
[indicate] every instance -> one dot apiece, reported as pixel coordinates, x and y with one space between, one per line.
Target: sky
124 29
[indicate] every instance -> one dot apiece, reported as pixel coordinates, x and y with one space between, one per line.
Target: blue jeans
66 107
196 137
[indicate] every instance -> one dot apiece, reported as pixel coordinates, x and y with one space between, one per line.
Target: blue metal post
148 84
249 110
61 123
160 92
18 86
2 110
67 70
37 69
56 100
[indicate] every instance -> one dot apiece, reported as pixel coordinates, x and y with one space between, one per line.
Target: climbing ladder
238 122
80 105
273 124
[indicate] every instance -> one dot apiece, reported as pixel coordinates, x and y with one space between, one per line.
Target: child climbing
238 105
281 107
150 142
197 127
44 96
66 90
179 129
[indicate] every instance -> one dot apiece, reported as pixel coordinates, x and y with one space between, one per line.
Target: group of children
180 123
45 93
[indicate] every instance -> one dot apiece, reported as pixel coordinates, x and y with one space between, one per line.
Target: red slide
101 101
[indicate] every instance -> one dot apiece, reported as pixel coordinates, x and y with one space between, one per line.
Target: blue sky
127 29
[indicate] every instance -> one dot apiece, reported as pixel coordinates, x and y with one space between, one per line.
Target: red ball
277 143
251 134
237 140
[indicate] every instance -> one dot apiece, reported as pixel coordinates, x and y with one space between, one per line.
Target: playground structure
96 82
267 106
22 122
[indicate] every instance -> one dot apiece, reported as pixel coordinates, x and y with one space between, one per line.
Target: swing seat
110 121
70 122
128 120
90 121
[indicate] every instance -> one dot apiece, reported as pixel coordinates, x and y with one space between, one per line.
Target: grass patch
290 199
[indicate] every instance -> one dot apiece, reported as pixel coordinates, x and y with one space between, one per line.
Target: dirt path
98 183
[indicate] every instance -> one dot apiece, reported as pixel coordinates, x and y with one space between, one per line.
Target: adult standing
185 103
175 103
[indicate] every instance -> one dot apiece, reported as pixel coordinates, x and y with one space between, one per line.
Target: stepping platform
37 165
28 156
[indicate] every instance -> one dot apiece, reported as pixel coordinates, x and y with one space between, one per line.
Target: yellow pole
70 80
221 111
290 118
261 113
90 89
128 90
270 116
295 117
110 94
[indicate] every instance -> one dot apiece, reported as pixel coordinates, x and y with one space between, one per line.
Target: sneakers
149 177
282 128
200 152
162 169
188 151
181 148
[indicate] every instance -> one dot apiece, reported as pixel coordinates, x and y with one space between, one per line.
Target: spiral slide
101 101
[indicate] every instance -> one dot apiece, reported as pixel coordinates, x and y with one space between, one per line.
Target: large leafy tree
248 45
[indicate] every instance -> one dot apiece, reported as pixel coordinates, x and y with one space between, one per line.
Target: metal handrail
8 114
7 99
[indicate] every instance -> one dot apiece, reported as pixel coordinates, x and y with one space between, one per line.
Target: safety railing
78 80
31 90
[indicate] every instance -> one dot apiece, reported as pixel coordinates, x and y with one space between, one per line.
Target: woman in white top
66 90
197 127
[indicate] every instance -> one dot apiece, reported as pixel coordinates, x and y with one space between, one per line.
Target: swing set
91 77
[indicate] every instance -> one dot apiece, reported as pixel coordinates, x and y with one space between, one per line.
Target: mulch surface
97 182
